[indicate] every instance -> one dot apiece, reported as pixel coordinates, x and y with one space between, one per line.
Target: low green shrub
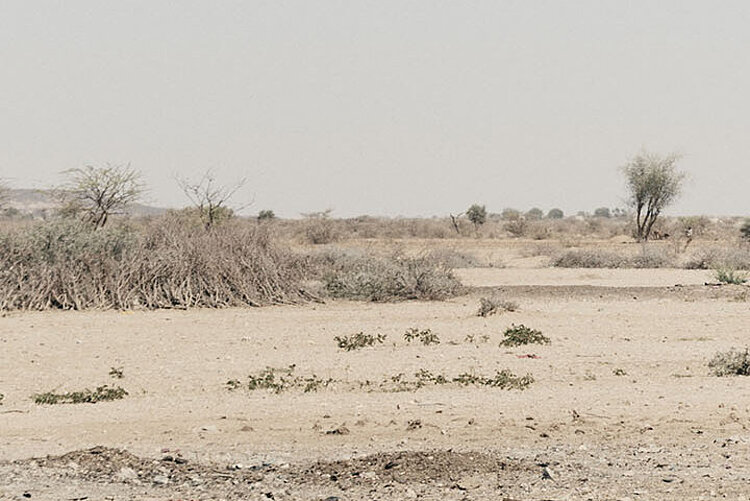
518 335
358 341
734 362
426 336
100 394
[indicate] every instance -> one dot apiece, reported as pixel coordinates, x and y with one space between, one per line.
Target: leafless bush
491 305
590 258
716 257
168 264
389 278
596 258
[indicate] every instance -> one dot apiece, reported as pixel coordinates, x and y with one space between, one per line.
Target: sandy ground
621 407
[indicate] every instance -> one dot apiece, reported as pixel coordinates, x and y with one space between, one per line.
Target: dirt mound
407 466
102 464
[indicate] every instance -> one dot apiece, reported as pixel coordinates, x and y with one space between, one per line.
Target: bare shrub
490 305
734 362
652 258
718 257
596 258
396 277
319 228
168 264
590 258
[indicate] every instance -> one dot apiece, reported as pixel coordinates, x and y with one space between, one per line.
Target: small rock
126 474
547 474
161 480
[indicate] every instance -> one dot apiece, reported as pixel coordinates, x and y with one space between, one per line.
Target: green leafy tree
534 214
94 194
266 215
653 183
555 214
477 214
602 212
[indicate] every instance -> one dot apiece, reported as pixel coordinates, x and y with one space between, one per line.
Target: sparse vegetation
491 305
425 336
504 380
518 335
619 372
358 341
734 362
102 393
476 338
280 380
116 373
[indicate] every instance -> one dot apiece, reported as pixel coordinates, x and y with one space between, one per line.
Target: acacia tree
653 183
93 194
209 198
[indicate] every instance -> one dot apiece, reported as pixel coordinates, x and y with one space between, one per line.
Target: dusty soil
622 405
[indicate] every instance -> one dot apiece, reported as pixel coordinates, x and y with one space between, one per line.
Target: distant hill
37 202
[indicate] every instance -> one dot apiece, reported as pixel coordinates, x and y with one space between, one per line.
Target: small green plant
1 398
476 339
504 379
518 335
279 380
234 384
425 377
489 306
619 372
730 275
101 394
426 336
116 372
358 341
734 362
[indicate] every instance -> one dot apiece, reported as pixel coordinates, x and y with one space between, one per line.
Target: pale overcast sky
382 107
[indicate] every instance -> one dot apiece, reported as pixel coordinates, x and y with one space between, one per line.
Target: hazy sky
382 107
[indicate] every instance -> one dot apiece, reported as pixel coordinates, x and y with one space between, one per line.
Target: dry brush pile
173 262
166 264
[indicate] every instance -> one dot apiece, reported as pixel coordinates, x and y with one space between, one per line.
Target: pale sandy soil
663 430
483 277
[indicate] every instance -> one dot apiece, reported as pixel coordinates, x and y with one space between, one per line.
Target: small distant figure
688 236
